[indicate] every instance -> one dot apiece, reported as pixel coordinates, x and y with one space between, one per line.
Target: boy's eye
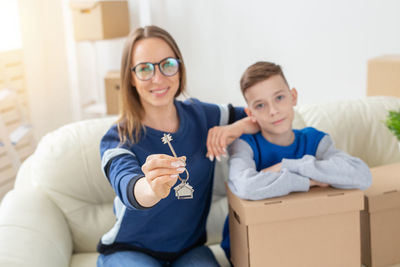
280 97
259 106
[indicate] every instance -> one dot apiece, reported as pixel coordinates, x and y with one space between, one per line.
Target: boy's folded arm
332 166
248 183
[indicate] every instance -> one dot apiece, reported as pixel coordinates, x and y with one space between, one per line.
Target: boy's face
270 104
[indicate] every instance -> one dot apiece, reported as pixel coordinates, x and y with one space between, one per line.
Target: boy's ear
248 112
293 92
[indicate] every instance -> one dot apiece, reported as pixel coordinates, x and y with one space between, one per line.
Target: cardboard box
113 84
98 20
384 76
380 221
317 228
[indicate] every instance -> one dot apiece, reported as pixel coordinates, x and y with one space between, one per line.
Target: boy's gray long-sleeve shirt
329 165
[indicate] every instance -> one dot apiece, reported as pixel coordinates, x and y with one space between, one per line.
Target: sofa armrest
23 179
33 231
216 219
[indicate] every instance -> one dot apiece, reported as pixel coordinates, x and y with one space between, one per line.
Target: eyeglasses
145 71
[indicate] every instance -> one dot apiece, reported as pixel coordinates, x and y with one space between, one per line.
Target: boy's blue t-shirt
266 154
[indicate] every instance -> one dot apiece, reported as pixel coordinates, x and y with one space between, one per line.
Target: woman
153 227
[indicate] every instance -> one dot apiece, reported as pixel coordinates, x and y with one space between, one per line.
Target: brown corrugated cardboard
113 84
317 228
380 221
98 20
384 76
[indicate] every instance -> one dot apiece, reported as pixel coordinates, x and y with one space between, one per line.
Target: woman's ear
133 81
250 115
293 92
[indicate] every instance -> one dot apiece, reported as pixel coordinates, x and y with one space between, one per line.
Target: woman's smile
159 92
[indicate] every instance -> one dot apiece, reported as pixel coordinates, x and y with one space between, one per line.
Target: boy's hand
274 168
219 137
316 183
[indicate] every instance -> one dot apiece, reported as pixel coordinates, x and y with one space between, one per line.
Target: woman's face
159 90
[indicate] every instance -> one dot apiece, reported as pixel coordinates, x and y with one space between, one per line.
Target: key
182 190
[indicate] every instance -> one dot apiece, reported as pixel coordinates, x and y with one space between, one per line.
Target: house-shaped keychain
184 191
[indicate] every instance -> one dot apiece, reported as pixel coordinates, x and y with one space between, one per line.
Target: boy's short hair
258 72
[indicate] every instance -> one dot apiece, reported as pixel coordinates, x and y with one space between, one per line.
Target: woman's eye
166 64
145 68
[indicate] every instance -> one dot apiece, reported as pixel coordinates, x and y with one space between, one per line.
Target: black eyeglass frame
133 69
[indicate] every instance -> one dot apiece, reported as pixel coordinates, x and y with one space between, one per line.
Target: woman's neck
164 118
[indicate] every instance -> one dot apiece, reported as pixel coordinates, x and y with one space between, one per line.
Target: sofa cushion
84 259
357 127
66 166
33 231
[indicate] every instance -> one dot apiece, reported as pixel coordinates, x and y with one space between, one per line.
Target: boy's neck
285 139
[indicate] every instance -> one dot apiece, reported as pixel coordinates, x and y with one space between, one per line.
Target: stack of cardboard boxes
321 227
380 220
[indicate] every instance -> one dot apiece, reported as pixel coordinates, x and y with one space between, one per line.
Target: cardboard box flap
88 4
316 202
384 192
83 5
387 58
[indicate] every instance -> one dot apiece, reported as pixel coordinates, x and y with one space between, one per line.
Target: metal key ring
187 177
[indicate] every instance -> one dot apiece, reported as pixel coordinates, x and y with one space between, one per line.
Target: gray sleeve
247 183
332 166
224 117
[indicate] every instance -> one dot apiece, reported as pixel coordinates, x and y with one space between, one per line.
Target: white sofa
62 204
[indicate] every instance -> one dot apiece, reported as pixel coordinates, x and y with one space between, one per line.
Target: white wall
48 74
9 26
323 47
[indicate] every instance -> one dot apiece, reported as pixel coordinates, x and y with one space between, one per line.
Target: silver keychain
182 190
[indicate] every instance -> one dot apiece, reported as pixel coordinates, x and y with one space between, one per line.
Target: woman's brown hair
131 111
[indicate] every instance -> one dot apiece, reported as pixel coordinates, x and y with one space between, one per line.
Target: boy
279 160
